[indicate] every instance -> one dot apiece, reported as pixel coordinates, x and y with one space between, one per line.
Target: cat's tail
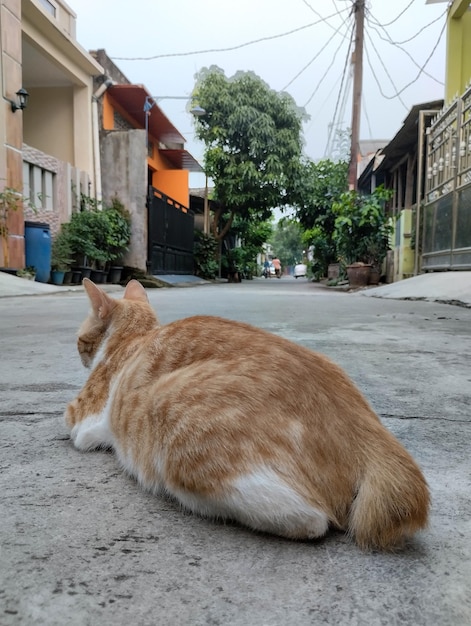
392 501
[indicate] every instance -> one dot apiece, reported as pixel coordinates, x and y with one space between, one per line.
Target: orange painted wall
173 183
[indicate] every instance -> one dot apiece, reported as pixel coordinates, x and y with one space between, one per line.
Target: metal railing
446 240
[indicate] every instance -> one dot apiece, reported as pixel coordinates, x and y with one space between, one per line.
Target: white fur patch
262 501
94 431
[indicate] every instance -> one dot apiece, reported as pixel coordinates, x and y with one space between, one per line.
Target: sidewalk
13 286
448 287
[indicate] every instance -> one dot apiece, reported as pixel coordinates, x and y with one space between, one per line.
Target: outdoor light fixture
22 103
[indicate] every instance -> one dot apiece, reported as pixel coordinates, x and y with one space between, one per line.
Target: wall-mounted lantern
22 102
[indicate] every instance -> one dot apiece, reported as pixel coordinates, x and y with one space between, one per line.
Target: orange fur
190 408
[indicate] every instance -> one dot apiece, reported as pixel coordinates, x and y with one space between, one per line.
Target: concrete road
81 544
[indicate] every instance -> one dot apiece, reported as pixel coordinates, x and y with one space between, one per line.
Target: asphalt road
81 544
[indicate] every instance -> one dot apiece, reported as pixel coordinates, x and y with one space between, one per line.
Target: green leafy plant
98 237
204 254
362 228
61 250
10 201
28 272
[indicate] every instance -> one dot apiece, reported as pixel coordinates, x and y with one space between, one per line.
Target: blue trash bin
38 249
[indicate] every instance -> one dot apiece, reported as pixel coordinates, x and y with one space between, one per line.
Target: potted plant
361 233
28 272
117 235
61 255
84 231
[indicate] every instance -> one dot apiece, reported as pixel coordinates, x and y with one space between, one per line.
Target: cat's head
111 318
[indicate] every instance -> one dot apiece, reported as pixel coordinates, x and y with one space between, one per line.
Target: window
50 8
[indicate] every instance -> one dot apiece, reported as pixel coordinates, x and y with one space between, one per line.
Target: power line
385 69
229 49
396 45
374 22
400 14
324 75
345 68
316 56
421 70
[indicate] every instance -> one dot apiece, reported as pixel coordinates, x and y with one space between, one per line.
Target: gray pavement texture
82 544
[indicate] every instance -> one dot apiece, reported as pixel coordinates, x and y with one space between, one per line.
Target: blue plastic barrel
38 249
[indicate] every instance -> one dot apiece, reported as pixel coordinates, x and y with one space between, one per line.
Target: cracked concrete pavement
82 544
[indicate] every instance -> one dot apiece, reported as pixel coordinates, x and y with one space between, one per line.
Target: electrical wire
398 16
344 73
231 48
316 56
384 67
374 22
324 75
406 52
421 70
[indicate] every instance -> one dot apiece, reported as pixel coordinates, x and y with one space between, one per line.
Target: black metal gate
170 235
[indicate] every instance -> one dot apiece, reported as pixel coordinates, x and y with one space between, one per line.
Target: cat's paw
90 435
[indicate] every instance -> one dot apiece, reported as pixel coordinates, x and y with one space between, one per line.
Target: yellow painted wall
458 55
403 254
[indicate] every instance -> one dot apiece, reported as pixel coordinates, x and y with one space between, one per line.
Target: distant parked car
300 270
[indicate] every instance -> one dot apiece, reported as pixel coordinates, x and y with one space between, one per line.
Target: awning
181 160
132 98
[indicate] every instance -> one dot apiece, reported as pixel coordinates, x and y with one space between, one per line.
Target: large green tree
253 145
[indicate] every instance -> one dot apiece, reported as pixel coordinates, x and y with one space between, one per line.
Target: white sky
143 28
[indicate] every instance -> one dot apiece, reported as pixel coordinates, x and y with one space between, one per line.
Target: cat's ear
102 304
135 291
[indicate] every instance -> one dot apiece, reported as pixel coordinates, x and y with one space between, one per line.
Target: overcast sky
146 28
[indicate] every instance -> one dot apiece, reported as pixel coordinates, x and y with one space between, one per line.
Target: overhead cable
421 70
229 49
395 44
323 75
400 14
384 68
316 56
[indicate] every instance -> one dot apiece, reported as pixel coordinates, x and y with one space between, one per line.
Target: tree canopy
287 242
253 144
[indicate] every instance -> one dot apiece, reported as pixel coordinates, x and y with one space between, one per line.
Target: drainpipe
96 136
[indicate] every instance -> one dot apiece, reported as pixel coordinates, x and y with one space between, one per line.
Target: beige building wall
11 129
39 52
56 104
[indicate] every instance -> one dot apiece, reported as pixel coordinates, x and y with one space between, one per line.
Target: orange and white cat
191 410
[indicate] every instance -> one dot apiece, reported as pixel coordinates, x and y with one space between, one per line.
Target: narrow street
82 544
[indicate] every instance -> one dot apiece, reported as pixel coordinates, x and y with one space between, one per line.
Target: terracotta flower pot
358 275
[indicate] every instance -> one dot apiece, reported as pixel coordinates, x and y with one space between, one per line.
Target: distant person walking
266 269
277 265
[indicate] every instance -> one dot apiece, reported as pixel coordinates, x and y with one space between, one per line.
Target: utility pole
359 8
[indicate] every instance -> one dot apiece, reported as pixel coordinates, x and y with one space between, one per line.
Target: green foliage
323 185
98 236
252 235
61 252
287 242
118 231
10 201
253 143
362 228
204 254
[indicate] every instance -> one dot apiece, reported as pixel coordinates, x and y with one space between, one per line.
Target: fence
446 243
